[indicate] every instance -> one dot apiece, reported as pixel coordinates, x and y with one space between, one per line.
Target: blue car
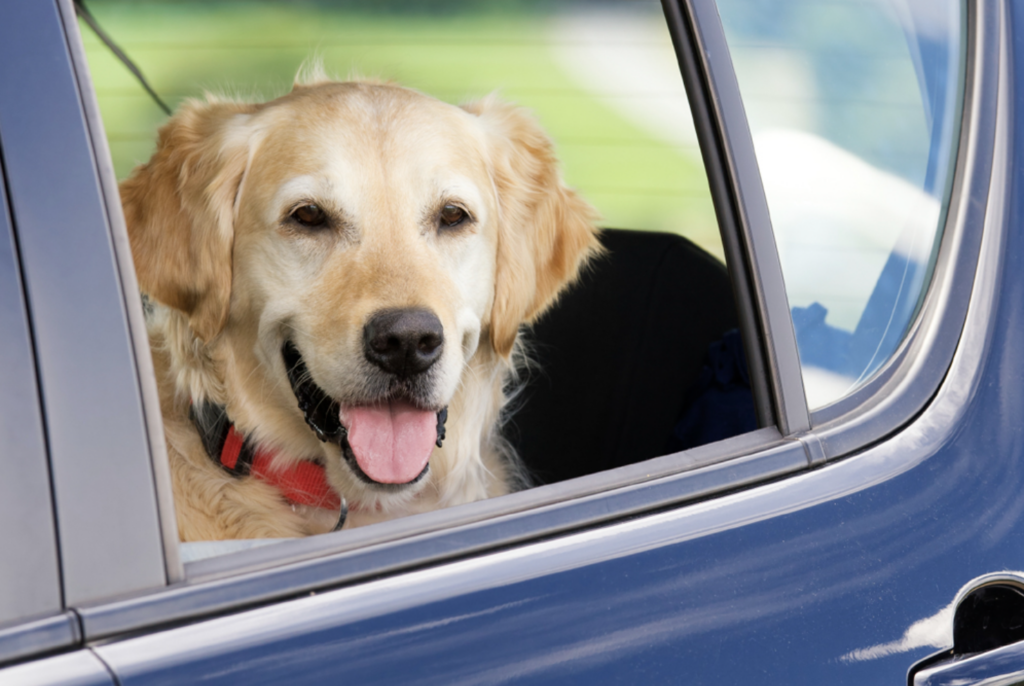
804 465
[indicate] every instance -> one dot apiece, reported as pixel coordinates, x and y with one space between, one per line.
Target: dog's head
351 247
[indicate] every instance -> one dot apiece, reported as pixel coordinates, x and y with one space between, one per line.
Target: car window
603 81
853 106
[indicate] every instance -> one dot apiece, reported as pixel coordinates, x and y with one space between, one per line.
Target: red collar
301 483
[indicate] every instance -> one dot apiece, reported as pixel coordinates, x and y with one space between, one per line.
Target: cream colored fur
231 278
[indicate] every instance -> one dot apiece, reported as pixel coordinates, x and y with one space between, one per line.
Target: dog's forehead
362 148
375 126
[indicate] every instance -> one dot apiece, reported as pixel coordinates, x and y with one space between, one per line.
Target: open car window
604 83
854 110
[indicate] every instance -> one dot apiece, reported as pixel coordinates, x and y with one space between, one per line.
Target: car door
822 547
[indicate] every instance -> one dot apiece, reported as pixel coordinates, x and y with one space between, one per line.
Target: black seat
615 357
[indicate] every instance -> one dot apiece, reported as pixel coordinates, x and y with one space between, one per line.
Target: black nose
403 342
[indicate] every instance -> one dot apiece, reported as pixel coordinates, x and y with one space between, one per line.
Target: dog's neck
301 483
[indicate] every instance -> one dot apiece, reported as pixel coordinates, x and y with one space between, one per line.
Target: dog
335 284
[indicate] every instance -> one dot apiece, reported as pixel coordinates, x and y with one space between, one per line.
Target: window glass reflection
853 109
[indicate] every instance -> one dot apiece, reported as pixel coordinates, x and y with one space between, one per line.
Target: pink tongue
392 443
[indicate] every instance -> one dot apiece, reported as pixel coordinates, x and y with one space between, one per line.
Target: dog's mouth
387 443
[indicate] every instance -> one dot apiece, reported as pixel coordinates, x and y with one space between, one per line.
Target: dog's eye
310 216
452 216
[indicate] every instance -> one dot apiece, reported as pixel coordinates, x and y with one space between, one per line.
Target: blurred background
601 77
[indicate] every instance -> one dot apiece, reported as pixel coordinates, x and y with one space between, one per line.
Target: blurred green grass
253 50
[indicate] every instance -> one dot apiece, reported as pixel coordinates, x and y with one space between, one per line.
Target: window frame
290 568
86 357
902 387
727 147
34 618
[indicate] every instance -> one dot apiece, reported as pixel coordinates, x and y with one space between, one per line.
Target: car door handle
1000 667
988 637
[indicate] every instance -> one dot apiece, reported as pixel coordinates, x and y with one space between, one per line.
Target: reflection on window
603 79
853 109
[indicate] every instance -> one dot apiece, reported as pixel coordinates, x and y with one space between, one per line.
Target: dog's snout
403 342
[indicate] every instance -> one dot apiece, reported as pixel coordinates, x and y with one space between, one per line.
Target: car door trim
108 526
129 284
727 147
292 567
79 668
39 636
28 537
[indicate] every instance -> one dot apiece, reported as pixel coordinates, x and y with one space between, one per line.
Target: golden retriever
336 280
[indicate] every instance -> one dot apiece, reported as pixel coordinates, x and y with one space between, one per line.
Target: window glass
853 106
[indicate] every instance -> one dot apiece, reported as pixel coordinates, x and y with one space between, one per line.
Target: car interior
614 363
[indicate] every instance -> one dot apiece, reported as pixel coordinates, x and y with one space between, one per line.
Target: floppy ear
545 230
179 208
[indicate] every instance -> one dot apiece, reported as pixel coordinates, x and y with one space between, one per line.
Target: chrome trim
1006 578
232 582
80 668
1000 666
39 636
